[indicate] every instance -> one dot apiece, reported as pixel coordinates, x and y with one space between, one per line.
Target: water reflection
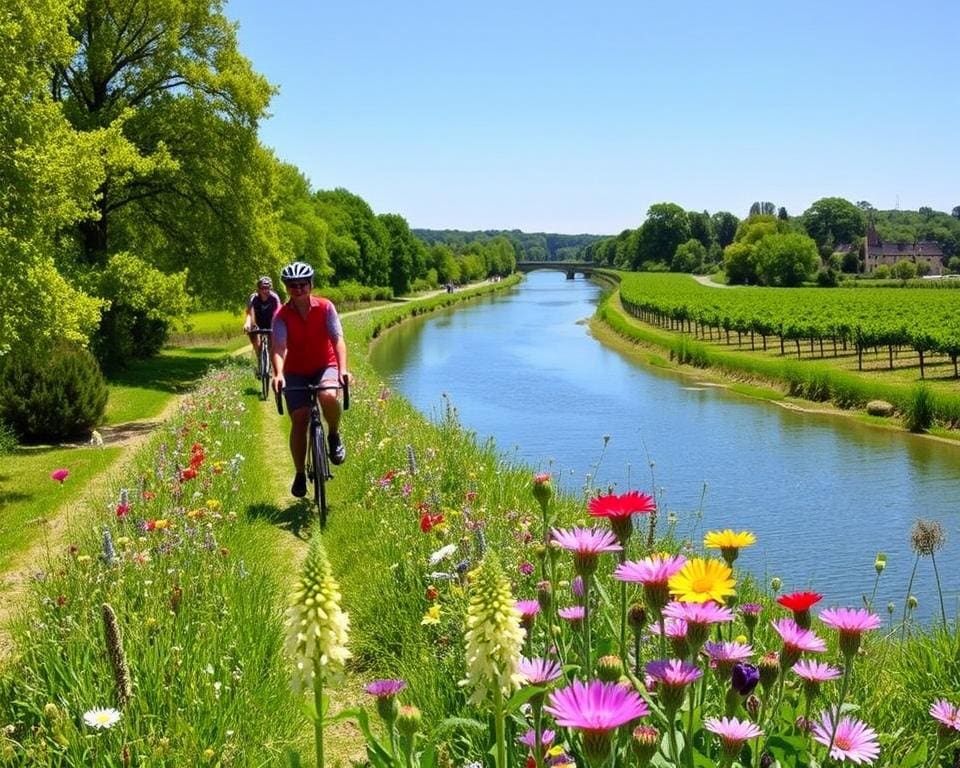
823 495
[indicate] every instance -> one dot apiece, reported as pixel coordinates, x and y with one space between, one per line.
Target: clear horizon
566 119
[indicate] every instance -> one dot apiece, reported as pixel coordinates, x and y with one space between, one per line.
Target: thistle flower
586 544
729 543
117 656
494 636
851 623
60 475
528 613
595 708
725 655
539 671
851 739
700 580
385 692
317 628
644 742
927 537
574 614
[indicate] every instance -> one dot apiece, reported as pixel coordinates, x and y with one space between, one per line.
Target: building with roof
876 252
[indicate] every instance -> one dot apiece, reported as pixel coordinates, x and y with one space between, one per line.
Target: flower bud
769 668
752 705
644 744
408 720
542 490
544 595
637 617
880 563
609 668
775 584
912 602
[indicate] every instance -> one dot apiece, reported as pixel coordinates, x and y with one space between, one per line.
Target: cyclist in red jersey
308 348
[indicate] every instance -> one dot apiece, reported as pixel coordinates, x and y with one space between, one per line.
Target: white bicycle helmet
265 282
299 270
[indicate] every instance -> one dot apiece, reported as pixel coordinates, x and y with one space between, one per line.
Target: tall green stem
906 599
936 573
692 693
318 703
588 671
844 684
498 726
623 619
537 731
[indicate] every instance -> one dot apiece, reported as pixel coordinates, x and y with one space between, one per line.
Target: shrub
8 438
52 394
919 408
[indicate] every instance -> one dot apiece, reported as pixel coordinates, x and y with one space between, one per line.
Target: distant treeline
529 246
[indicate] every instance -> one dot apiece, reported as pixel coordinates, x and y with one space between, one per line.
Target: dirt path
14 582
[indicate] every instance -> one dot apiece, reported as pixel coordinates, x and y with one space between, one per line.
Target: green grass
143 389
220 328
28 496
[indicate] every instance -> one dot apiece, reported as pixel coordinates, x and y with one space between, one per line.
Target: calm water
823 495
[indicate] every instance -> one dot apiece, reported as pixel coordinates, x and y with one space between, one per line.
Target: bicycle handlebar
261 331
344 385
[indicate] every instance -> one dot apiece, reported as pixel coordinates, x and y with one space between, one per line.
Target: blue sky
577 116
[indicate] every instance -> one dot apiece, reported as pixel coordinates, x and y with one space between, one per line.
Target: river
823 494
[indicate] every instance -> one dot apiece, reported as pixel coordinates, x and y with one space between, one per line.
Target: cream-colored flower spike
317 630
494 636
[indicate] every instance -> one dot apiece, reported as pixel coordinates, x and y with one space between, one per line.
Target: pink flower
796 640
122 509
585 544
673 672
946 713
385 688
851 623
853 739
60 475
651 570
573 614
732 732
815 671
698 613
525 568
595 706
728 652
529 739
625 505
539 671
528 611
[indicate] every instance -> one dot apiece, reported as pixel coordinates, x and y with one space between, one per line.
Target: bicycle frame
317 463
264 360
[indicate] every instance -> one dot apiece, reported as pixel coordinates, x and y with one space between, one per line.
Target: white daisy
101 718
443 553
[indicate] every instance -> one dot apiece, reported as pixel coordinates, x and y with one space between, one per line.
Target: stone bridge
570 268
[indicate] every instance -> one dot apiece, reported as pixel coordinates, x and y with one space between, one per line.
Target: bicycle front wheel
319 460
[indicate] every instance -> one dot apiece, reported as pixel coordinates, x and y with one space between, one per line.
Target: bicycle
317 464
263 362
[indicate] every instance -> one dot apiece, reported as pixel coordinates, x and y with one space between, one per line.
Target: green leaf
522 696
917 757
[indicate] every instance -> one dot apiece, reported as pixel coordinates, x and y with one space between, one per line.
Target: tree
904 270
786 259
48 176
763 208
739 264
359 245
666 227
834 217
407 253
169 78
725 227
782 214
955 212
689 256
701 227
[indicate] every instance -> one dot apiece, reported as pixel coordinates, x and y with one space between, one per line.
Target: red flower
147 495
122 510
800 601
630 503
432 592
188 474
428 521
471 495
151 525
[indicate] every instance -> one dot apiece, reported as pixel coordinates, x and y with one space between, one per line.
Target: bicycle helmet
299 270
264 282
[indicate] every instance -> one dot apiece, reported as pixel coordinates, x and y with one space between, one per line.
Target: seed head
927 537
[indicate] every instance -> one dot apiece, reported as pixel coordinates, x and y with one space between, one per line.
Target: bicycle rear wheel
264 370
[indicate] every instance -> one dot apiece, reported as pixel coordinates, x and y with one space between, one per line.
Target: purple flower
539 671
573 614
381 688
744 678
529 739
586 544
525 568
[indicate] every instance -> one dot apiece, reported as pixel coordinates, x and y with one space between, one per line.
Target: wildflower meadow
458 611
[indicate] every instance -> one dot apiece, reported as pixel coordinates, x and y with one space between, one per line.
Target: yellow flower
193 514
740 638
432 616
494 636
728 539
208 754
161 524
555 751
83 559
702 580
123 541
213 505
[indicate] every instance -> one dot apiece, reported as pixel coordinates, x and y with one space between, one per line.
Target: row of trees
529 246
133 184
769 247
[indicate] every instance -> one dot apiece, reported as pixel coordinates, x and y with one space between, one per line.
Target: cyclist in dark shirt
261 308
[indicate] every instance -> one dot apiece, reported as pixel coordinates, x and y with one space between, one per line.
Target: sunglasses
299 285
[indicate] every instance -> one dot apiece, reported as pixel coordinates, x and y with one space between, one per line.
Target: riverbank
753 374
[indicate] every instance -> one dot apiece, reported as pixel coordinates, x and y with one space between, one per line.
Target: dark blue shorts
300 398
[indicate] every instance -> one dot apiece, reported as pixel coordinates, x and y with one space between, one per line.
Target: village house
921 252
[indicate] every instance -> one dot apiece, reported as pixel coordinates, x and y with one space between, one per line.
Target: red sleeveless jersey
309 346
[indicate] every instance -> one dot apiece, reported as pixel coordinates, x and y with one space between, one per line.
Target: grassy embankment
771 375
400 469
